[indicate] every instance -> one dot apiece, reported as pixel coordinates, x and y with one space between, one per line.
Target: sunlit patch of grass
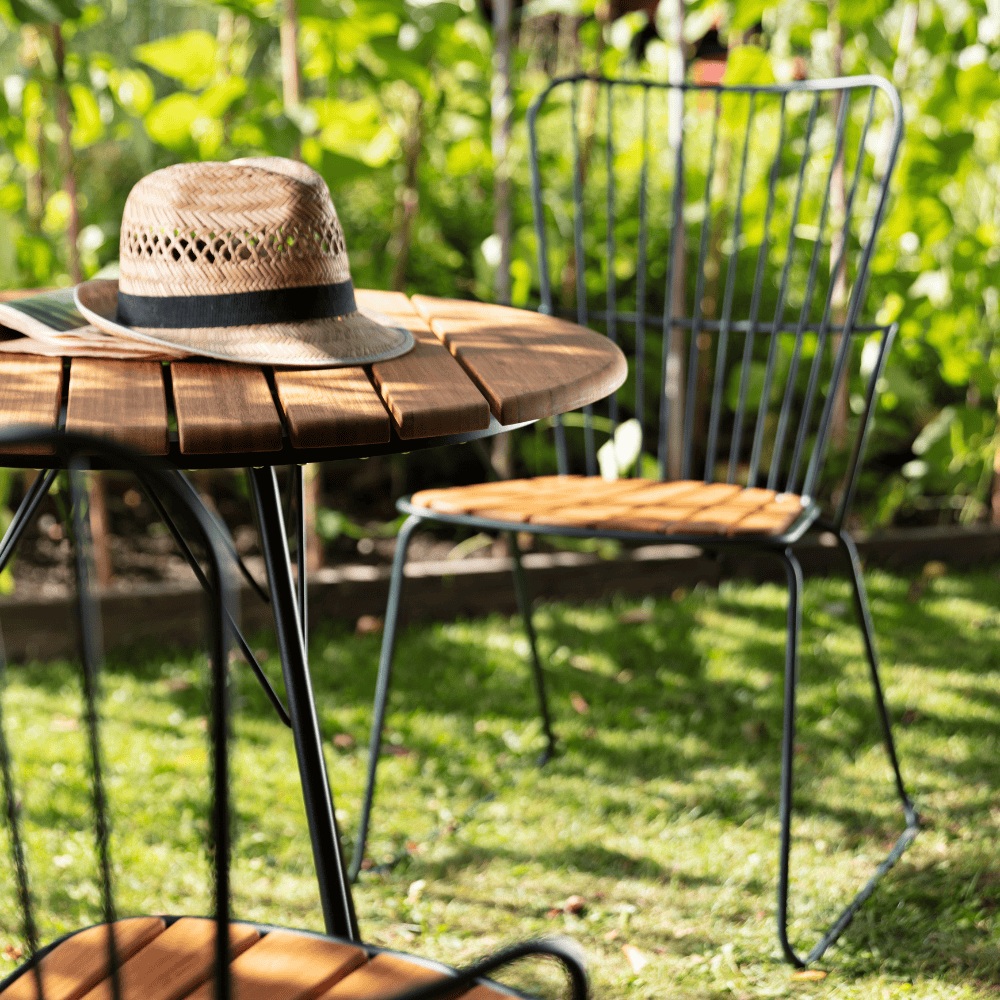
660 809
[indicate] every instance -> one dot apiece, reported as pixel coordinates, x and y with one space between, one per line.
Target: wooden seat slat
287 966
30 393
382 976
76 966
175 962
426 390
224 409
562 366
331 407
622 505
178 962
122 400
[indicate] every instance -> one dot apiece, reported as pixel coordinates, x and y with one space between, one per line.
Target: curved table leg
331 870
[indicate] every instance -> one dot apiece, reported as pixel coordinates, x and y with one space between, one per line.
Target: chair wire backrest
723 236
77 454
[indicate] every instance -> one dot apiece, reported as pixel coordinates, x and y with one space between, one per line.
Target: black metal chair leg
524 606
839 925
382 687
331 870
793 572
867 634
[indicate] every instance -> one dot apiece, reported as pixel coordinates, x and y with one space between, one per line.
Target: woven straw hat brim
358 338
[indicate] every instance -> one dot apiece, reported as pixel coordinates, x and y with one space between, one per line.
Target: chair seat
685 507
164 959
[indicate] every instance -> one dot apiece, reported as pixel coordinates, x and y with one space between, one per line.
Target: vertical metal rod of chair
91 644
524 606
331 870
382 688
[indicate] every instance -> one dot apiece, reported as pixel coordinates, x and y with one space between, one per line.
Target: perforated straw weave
241 261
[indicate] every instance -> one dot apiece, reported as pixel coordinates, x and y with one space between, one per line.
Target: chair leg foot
382 690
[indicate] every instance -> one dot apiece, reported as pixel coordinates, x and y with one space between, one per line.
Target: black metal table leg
331 871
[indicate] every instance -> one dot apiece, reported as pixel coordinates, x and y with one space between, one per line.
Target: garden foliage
393 108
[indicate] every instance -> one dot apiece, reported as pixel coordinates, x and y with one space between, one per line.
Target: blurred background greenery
413 111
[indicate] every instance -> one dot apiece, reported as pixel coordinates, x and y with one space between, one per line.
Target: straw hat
241 261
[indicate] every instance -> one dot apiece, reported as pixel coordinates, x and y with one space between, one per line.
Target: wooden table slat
331 407
223 409
125 401
427 391
527 365
30 393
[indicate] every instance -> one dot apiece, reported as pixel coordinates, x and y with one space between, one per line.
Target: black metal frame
798 445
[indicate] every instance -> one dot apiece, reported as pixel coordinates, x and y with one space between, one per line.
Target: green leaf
69 9
45 11
748 64
746 13
133 90
169 121
87 124
859 14
977 89
215 101
189 57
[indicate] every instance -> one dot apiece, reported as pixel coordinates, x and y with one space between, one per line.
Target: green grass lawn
660 812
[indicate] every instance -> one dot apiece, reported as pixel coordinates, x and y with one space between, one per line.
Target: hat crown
244 226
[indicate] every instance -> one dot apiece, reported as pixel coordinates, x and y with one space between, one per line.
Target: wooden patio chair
156 956
724 237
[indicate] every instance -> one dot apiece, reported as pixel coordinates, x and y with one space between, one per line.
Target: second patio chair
724 237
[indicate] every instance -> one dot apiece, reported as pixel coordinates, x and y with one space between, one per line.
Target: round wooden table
476 370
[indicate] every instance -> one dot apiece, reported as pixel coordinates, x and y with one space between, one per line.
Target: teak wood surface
474 367
158 962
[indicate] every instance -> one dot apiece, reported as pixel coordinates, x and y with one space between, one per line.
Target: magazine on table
49 323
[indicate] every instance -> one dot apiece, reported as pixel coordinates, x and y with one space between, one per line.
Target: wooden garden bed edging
446 590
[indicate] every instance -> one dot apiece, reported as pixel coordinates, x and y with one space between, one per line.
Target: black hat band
272 305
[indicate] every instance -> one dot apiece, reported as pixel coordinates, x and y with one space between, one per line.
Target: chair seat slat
623 505
76 966
170 963
283 965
